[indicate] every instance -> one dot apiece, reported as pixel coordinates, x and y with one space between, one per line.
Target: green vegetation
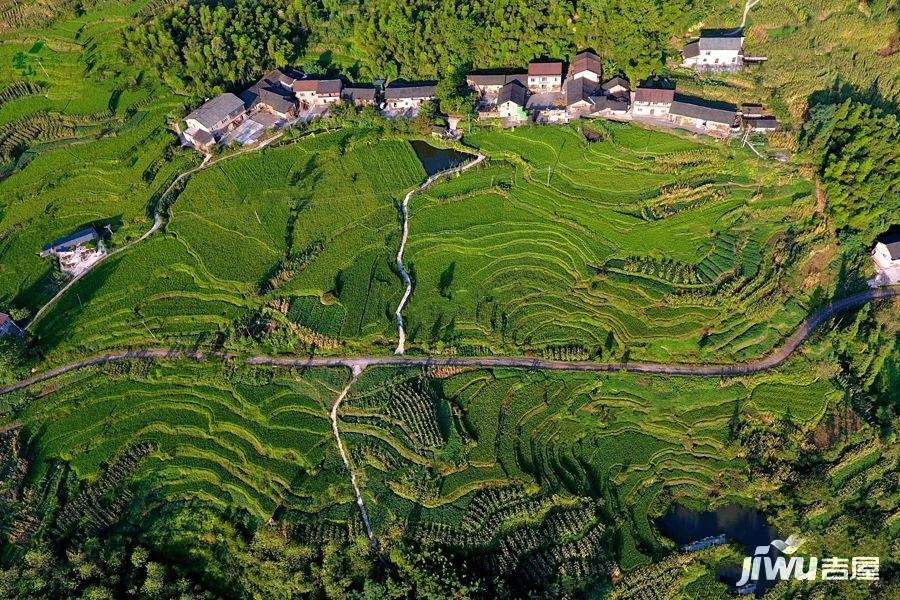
855 149
86 138
644 244
201 47
329 198
208 479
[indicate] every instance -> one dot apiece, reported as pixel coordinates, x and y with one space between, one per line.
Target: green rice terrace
528 474
213 461
643 245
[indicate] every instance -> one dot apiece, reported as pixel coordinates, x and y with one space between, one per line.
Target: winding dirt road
359 363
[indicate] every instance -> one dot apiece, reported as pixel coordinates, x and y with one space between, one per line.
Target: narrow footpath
404 214
344 457
208 161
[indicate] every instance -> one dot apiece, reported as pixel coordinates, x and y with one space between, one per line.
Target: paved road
358 363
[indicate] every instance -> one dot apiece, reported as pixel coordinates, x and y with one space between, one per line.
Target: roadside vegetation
206 479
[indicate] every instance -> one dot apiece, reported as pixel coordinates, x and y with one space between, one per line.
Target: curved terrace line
404 213
358 363
208 161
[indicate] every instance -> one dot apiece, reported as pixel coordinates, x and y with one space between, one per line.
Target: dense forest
205 47
854 147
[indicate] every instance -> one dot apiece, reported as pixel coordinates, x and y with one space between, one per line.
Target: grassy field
812 46
646 243
331 197
86 138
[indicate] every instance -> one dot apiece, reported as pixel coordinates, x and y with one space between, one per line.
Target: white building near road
76 253
714 52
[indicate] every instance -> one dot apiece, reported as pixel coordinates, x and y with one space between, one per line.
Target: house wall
650 109
511 110
406 102
308 97
587 75
882 257
326 100
694 123
714 58
545 83
579 108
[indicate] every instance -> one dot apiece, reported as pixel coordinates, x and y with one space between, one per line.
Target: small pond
733 523
435 160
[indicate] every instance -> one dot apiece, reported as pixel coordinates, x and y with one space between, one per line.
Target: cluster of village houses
545 93
541 94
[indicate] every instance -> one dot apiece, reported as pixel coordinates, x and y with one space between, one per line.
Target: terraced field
529 474
86 143
232 439
473 459
644 244
293 226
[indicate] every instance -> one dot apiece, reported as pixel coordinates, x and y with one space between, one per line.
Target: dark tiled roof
608 103
496 78
217 109
654 95
359 93
270 94
694 109
586 61
512 92
891 239
329 86
691 50
615 81
305 85
721 43
285 76
409 91
545 68
203 137
82 236
762 122
578 90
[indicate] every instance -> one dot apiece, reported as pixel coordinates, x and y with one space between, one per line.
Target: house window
717 61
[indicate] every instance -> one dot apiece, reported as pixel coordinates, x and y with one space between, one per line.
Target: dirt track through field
359 363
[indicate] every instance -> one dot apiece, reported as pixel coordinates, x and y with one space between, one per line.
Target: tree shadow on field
61 319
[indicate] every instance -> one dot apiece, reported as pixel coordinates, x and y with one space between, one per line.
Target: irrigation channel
429 159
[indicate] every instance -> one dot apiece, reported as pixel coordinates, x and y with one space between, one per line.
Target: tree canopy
854 146
208 46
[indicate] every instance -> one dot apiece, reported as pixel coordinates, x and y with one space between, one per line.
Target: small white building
317 92
76 253
406 97
652 102
714 52
545 76
511 101
487 85
886 253
617 86
215 117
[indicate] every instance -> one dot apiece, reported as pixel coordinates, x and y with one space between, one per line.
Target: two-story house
206 124
545 76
